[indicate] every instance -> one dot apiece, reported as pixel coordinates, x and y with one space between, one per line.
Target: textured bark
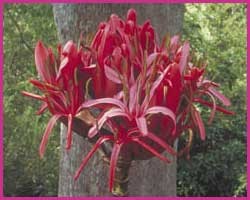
147 178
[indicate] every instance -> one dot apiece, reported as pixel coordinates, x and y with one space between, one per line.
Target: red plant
62 88
144 91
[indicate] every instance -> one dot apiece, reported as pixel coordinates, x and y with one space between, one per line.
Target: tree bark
146 178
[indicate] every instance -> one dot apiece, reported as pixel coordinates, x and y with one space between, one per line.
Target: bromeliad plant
146 93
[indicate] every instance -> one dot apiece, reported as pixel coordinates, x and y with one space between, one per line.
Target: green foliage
218 166
25 174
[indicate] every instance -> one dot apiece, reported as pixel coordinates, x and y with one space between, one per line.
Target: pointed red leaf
218 108
114 157
69 49
200 124
41 60
159 141
132 97
142 125
95 102
43 107
43 86
90 154
62 67
212 114
35 96
47 133
150 149
152 57
57 105
156 84
174 43
220 96
69 132
112 74
184 56
114 112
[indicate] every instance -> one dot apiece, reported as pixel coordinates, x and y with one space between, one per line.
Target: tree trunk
146 178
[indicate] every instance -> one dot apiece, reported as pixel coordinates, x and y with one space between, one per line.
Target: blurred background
217 167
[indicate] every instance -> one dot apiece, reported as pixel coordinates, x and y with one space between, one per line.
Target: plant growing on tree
147 94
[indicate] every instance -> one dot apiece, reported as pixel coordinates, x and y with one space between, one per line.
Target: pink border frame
118 1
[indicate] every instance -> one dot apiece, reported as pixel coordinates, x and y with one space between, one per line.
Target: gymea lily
146 93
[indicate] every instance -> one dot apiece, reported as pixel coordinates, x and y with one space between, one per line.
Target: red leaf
152 57
220 96
212 114
41 57
218 108
35 96
200 124
142 125
102 43
69 132
150 149
90 154
113 161
109 114
184 56
69 49
43 86
62 67
100 101
174 43
159 141
112 74
155 85
43 107
132 97
57 105
46 134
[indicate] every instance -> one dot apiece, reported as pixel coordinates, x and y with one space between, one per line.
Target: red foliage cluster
143 90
